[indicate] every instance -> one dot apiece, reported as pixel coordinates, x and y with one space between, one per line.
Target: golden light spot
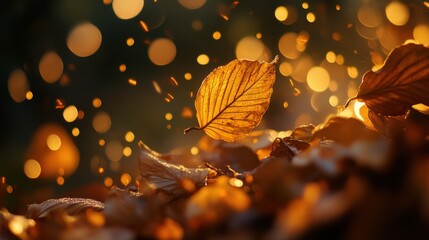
305 5
129 136
331 57
333 101
51 67
107 2
132 81
352 72
101 122
285 104
287 45
114 150
127 9
32 169
318 79
144 26
216 35
421 34
53 142
173 81
101 142
125 179
168 116
397 13
333 86
250 48
203 59
194 151
9 189
75 132
296 92
108 182
162 51
130 42
100 170
70 113
192 4
84 40
312 193
258 35
310 17
339 59
80 114
127 151
122 68
281 13
188 76
156 87
187 112
235 182
18 85
29 95
357 106
337 7
421 108
285 69
369 16
224 16
60 181
96 102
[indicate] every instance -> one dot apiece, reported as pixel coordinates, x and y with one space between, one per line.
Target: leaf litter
339 179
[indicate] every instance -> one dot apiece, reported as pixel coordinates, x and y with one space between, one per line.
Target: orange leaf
233 98
402 81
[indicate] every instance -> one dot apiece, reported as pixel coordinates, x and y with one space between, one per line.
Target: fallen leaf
233 98
389 126
71 206
402 81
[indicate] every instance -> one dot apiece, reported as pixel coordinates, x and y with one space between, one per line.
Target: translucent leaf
402 81
71 206
233 98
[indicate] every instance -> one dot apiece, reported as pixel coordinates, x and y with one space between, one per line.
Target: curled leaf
166 176
402 81
72 206
233 98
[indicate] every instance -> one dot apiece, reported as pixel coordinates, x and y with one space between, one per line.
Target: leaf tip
276 59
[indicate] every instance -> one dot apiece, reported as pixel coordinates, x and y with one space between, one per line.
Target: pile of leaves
337 180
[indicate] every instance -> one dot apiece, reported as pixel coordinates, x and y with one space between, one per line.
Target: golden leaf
233 98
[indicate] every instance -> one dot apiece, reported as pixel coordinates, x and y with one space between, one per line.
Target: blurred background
84 81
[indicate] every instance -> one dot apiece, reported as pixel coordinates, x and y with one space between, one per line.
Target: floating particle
129 136
169 96
311 17
333 101
101 142
162 51
100 170
156 87
29 95
168 116
60 181
32 169
51 67
167 100
108 182
285 104
337 7
80 114
339 59
130 41
84 39
194 151
192 4
127 9
331 57
224 16
291 82
305 5
203 59
258 35
352 72
9 189
296 92
174 81
281 13
168 126
53 142
75 132
235 182
191 94
122 68
144 26
187 112
188 76
127 151
216 35
70 113
132 82
125 179
96 102
18 85
101 122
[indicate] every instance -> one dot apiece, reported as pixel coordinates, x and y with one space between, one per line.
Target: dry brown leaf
233 98
71 206
402 81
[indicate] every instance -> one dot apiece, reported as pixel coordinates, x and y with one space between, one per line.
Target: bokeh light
53 142
421 34
51 67
101 122
127 9
369 16
129 136
192 4
162 51
281 13
203 59
126 179
249 48
318 79
70 113
84 40
397 13
287 45
32 169
113 150
18 85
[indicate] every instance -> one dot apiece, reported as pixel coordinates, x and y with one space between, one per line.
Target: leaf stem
191 128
